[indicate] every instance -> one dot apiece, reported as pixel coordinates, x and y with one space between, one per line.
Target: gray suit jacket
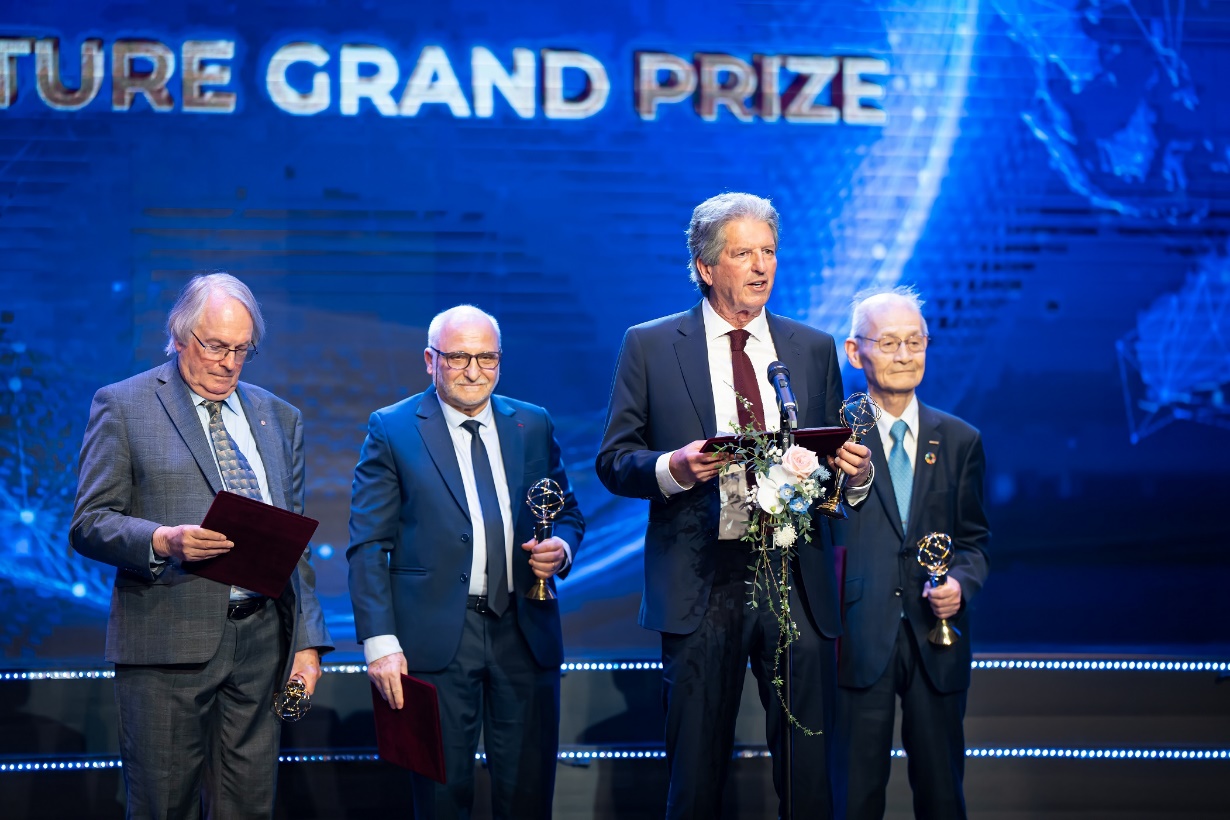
146 462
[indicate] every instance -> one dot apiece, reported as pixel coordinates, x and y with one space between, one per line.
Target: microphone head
778 369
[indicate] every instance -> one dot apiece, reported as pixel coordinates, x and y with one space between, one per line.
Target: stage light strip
1113 665
595 754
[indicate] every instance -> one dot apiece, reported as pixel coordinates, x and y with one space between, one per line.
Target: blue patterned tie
237 474
493 520
900 470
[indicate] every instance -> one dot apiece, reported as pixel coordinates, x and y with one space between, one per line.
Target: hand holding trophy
293 702
545 499
935 556
860 413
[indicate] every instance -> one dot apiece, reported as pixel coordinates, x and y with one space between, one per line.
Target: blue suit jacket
146 462
411 539
662 399
947 496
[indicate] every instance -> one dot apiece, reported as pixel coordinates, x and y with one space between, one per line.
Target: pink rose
800 461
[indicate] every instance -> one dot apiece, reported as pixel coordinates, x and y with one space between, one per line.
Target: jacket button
897 592
465 577
465 538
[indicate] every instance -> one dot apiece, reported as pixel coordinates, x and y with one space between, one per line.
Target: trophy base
540 592
943 634
832 508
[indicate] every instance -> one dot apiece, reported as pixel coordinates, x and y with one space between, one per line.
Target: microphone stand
786 440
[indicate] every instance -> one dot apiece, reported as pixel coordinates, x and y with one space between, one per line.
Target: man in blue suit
674 387
438 589
931 467
197 663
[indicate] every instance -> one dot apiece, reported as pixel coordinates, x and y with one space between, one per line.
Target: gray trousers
203 736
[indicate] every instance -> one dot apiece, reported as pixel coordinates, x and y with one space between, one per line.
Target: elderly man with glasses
442 555
197 662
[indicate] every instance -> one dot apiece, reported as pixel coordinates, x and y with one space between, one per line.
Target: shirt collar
716 326
455 418
909 416
231 401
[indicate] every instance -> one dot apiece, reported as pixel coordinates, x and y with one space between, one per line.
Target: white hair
866 300
187 310
458 313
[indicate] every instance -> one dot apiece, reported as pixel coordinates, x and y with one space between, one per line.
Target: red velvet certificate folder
268 542
823 441
410 736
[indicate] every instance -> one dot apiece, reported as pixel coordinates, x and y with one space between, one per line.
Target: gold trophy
545 500
860 413
293 702
935 556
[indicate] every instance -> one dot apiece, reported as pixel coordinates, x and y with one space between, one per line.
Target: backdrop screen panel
1052 176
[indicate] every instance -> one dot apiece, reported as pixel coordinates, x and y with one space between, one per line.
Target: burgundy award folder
823 441
268 542
410 736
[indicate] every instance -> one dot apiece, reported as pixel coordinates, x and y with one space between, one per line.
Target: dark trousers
931 731
194 735
703 674
494 686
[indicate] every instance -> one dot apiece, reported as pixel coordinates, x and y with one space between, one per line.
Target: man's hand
188 542
689 466
855 461
546 558
306 668
945 599
386 673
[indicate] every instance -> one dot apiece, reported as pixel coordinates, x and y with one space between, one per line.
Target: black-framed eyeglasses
460 360
889 345
216 353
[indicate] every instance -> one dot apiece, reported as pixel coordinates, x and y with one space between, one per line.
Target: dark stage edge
1052 736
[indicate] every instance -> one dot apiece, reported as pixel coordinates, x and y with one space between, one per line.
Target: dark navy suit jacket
411 539
947 497
662 399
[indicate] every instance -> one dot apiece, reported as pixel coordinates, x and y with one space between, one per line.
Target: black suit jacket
947 497
411 539
662 399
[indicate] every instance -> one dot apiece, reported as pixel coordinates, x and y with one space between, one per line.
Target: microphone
779 377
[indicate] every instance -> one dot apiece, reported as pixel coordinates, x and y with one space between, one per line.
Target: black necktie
745 381
493 520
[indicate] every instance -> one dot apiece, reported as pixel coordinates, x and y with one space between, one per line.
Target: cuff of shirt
666 482
568 552
855 495
156 564
378 646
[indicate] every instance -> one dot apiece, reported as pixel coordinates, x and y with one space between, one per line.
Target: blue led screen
1052 176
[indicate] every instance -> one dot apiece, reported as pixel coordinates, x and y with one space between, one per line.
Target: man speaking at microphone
675 387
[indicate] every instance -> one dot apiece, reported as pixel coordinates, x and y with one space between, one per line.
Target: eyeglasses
217 353
460 360
889 345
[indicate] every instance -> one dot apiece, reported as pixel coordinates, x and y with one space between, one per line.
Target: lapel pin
262 422
929 458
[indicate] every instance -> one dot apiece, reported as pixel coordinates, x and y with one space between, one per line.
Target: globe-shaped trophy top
935 552
860 413
545 498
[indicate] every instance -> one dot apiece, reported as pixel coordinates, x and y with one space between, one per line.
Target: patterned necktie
745 381
237 474
900 470
493 520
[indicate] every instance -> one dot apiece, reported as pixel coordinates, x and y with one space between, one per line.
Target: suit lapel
439 444
268 444
883 485
790 354
173 393
692 350
512 451
929 430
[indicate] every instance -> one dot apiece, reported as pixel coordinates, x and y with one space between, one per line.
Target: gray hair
870 298
188 308
707 231
459 312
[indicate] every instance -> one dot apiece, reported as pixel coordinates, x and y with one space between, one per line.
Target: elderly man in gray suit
197 662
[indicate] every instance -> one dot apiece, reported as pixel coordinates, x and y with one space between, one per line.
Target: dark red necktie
745 381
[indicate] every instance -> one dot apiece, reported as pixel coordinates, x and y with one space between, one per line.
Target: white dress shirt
910 442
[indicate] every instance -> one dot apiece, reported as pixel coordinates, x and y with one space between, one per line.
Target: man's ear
853 354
